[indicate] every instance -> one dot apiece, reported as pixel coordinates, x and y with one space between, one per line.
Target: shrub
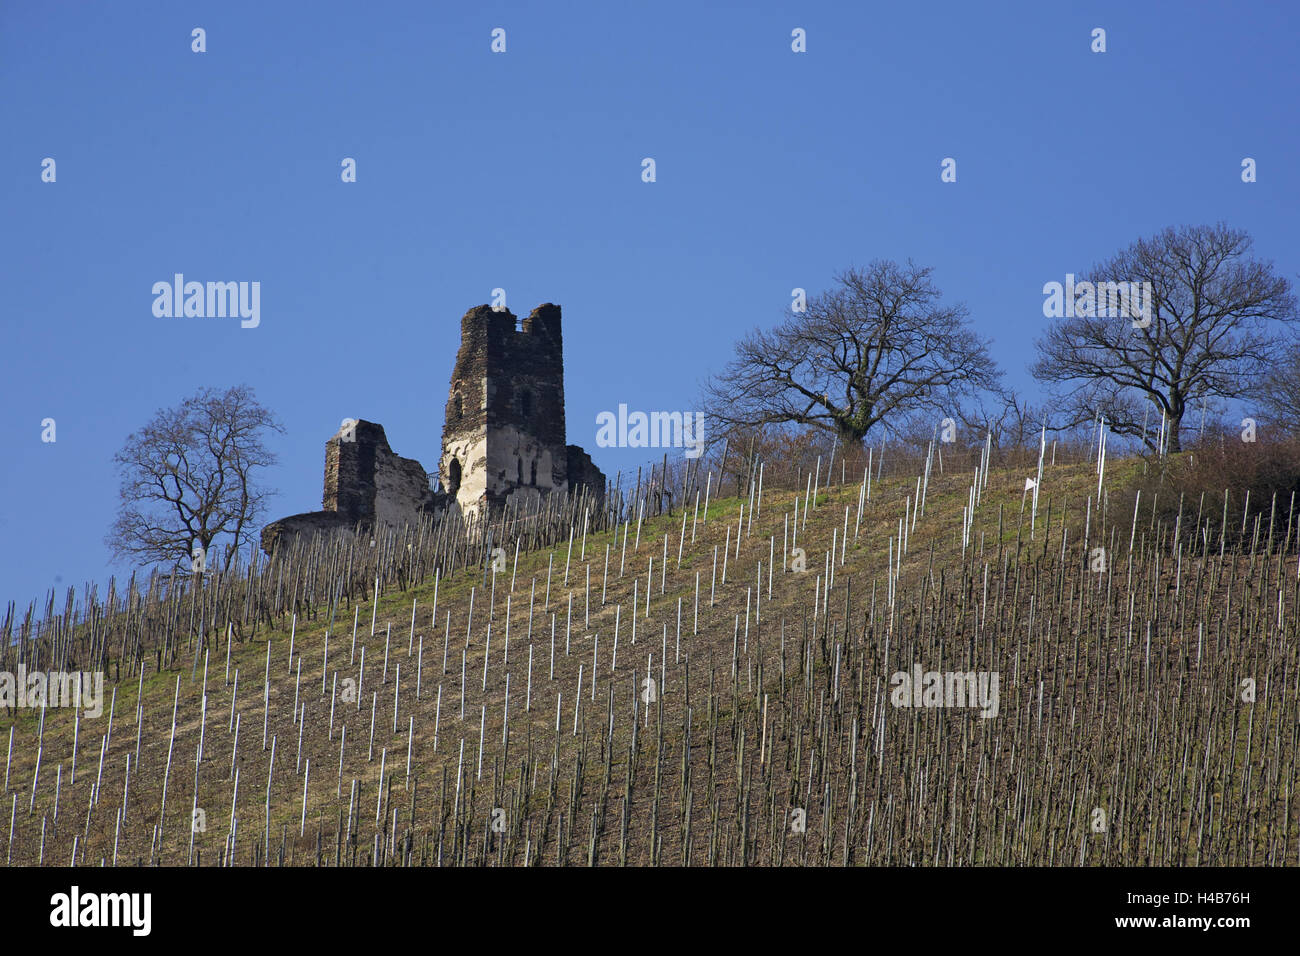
1259 479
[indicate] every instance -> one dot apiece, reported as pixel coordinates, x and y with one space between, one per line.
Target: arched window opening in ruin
453 477
457 407
519 475
525 404
534 478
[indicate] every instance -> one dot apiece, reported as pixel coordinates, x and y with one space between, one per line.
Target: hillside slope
1145 708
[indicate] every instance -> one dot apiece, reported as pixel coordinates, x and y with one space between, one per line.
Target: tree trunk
1174 439
850 437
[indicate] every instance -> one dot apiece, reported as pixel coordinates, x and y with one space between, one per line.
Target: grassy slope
934 550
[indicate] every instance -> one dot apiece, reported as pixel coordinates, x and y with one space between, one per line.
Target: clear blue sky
522 170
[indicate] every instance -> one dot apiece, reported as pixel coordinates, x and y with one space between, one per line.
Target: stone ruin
503 439
504 432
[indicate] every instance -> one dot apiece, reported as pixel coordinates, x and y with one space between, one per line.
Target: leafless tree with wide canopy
188 476
1210 336
878 345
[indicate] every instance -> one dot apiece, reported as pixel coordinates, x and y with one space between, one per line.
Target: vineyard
707 678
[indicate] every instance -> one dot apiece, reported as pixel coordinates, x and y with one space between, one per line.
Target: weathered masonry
503 438
504 434
365 484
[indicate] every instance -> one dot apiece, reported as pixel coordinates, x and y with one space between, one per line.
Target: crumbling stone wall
583 473
283 532
366 484
366 481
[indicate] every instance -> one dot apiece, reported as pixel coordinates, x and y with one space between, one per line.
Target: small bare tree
879 344
1203 335
1011 420
188 477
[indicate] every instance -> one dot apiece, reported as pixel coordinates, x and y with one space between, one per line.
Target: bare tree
1278 392
1011 420
1203 333
878 344
188 477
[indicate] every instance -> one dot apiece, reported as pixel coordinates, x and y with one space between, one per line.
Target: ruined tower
504 431
503 439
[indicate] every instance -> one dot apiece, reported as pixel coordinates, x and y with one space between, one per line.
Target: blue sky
522 170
